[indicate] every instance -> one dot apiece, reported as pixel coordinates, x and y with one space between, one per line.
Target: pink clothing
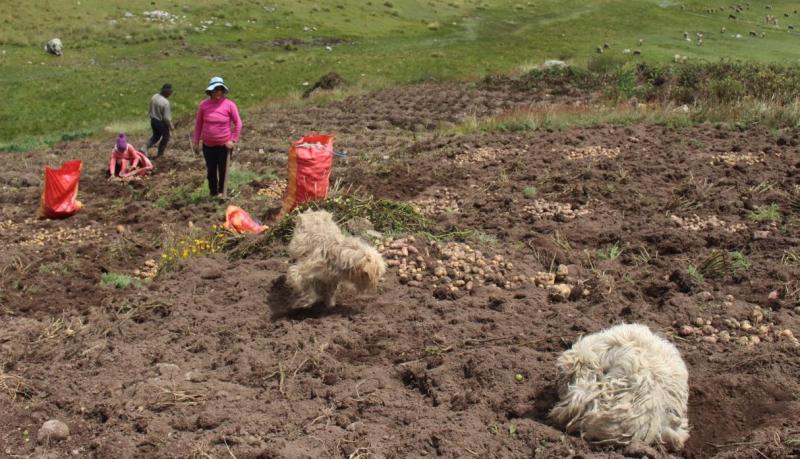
213 123
131 155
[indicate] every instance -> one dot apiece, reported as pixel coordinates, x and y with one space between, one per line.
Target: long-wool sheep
623 385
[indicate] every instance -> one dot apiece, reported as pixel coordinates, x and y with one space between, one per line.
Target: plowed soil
203 361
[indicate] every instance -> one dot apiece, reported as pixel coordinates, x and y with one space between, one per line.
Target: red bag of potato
310 160
59 198
241 222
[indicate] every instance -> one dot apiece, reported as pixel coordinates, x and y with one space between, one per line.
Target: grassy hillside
115 57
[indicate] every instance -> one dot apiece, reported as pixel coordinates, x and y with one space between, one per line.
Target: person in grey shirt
160 120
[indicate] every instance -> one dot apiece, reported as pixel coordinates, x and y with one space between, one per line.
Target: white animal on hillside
622 385
54 47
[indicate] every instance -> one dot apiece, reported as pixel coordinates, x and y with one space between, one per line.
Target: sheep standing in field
54 47
624 385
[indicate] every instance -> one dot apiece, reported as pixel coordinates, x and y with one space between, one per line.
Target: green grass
117 280
695 275
183 195
791 257
770 213
530 192
739 261
612 252
113 63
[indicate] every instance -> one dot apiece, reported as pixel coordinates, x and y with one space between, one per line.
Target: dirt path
198 363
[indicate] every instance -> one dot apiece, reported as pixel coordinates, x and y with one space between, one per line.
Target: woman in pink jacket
123 156
215 116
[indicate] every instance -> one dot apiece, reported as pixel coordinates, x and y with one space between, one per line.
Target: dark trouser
160 132
216 165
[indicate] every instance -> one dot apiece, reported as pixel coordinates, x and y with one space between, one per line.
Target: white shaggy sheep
623 385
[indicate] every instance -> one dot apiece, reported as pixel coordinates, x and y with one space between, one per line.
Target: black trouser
216 165
160 131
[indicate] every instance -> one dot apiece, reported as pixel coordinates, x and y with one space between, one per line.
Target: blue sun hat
214 84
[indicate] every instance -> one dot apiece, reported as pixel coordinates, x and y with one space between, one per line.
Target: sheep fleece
623 385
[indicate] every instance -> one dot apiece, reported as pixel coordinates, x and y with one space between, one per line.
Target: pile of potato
746 332
455 266
274 190
484 154
444 201
732 159
593 153
149 272
541 208
696 223
458 267
43 236
8 225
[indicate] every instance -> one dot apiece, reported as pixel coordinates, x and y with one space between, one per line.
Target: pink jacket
213 122
132 156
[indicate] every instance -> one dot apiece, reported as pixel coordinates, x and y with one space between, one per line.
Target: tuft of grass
530 192
769 213
118 280
716 265
612 252
791 257
739 262
695 275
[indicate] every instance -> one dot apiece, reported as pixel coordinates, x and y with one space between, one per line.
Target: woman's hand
196 148
230 144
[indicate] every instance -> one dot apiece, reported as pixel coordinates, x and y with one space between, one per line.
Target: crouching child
127 161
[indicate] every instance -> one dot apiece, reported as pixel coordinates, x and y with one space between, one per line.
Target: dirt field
203 361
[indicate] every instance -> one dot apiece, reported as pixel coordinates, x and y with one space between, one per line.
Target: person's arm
147 165
167 116
237 122
136 157
124 168
111 165
198 127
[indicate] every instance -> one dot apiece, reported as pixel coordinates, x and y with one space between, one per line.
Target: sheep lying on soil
624 385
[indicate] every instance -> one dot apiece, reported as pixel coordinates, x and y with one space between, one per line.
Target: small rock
773 296
758 235
559 292
705 296
562 272
686 330
194 376
724 336
120 229
755 339
553 63
699 321
211 274
745 325
52 430
168 370
710 339
372 234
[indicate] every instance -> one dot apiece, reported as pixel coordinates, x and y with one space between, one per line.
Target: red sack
310 160
61 190
241 222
